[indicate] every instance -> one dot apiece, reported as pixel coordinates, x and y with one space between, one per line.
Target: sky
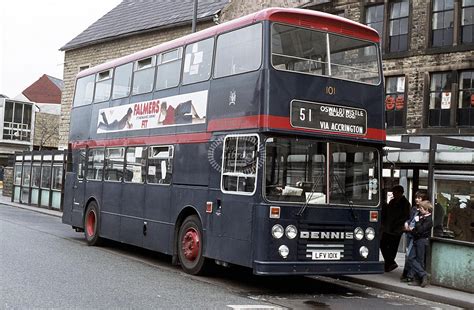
33 31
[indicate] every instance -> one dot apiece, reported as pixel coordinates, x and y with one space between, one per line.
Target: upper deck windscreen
320 53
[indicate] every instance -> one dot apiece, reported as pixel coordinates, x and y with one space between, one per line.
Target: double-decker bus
256 142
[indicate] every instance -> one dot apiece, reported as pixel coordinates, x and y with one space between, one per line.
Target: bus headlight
284 251
358 233
291 231
277 231
370 233
364 252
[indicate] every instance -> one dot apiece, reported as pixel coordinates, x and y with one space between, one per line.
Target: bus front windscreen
320 53
297 170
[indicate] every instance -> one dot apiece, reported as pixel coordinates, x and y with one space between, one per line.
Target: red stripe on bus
280 122
246 122
165 139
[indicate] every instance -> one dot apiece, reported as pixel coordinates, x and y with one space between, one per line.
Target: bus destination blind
328 117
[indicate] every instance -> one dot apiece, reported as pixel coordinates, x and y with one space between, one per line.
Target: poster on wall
446 100
176 110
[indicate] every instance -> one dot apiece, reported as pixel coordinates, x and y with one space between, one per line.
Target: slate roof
138 16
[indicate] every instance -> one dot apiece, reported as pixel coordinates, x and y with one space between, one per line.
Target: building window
442 23
465 110
374 19
395 101
17 121
467 21
440 99
399 11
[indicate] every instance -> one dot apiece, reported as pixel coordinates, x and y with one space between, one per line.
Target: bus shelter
38 178
444 166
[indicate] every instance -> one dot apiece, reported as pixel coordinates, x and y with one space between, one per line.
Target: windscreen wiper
315 184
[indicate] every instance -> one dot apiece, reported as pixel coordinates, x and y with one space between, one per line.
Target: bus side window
103 85
95 164
84 91
239 171
122 81
81 164
143 76
135 167
198 61
168 70
114 160
239 51
160 167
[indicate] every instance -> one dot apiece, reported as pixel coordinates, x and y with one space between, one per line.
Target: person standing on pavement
420 195
393 216
421 234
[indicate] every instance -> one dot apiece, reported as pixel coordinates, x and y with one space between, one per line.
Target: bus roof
299 17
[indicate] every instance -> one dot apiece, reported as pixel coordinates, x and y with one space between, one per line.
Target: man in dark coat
394 216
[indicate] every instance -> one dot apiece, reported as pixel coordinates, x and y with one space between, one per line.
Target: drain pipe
195 9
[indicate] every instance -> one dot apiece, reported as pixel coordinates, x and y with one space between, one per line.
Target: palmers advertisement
170 111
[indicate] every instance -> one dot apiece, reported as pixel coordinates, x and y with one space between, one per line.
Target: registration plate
326 255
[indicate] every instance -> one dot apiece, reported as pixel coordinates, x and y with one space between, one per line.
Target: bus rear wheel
190 246
91 224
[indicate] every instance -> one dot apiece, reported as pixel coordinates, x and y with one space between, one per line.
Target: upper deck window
198 61
239 51
143 76
103 86
169 69
84 91
318 53
122 81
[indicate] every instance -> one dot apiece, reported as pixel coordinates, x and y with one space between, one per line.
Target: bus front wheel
91 224
190 246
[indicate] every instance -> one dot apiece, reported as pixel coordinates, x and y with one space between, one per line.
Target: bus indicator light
374 216
274 212
209 207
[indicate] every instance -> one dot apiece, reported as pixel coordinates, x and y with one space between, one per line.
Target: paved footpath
387 281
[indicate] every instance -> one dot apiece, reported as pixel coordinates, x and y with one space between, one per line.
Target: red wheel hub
90 223
191 244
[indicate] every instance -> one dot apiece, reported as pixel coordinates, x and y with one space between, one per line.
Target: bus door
238 187
77 182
